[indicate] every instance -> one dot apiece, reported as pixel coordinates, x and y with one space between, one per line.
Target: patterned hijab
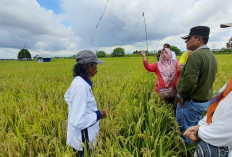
167 67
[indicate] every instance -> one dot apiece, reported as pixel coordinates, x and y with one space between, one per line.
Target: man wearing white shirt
216 136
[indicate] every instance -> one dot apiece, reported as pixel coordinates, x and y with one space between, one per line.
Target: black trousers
79 153
172 101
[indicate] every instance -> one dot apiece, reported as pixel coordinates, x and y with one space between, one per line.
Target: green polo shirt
196 79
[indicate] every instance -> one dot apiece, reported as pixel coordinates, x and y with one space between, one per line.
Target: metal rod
145 30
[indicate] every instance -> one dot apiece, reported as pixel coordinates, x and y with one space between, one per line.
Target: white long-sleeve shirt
219 132
82 114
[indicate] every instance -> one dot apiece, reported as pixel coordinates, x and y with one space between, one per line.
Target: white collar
202 47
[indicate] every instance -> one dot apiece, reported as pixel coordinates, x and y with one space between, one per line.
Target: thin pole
145 30
98 23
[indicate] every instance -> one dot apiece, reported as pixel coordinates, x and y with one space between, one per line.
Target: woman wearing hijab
166 72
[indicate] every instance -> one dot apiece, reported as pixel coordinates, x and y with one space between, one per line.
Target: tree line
118 52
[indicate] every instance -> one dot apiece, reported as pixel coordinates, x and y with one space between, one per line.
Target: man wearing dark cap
214 130
196 80
229 44
226 25
83 113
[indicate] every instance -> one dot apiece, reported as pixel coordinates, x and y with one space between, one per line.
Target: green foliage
175 49
24 53
222 51
101 54
118 52
225 50
136 52
33 119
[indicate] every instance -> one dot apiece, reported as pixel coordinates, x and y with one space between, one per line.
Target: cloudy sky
63 27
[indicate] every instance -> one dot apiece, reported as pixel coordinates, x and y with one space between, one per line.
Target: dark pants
205 149
79 153
171 101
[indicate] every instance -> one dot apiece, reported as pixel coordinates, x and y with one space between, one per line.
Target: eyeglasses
190 37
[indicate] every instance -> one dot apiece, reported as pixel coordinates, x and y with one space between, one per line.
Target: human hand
190 52
191 133
181 102
143 53
103 113
193 137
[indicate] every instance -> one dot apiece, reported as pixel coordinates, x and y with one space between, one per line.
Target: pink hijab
167 67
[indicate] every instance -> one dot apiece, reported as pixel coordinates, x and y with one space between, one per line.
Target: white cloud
8 53
166 21
24 22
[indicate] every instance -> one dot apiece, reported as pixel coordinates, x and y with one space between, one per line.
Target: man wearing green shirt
196 80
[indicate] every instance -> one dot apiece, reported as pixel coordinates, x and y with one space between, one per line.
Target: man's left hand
191 133
181 102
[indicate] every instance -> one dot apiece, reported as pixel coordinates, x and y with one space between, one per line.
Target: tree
101 54
117 52
225 50
24 53
136 52
175 49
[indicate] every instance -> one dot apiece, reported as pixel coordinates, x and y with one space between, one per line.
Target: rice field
33 117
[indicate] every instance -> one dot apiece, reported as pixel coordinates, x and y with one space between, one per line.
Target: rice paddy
33 119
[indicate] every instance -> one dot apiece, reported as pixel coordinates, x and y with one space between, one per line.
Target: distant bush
118 52
24 53
175 49
225 50
136 52
101 54
139 52
222 51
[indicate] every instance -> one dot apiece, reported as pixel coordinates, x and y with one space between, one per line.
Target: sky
64 27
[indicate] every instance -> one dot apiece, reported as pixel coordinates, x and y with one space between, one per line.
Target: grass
33 117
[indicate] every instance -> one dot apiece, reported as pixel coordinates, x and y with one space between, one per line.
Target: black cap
198 30
87 56
226 25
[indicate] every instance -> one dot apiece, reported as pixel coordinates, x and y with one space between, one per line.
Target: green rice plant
33 119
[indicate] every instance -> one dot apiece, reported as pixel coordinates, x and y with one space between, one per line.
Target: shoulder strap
228 88
213 106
